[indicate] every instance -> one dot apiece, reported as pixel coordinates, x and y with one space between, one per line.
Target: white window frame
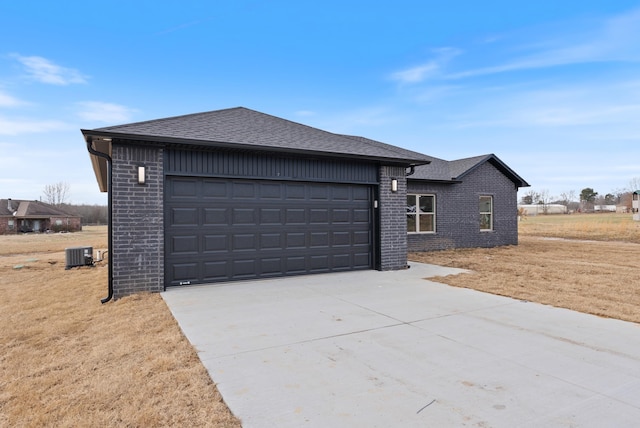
484 213
417 214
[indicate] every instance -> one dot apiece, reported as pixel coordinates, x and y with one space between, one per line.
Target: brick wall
5 229
393 223
138 221
457 212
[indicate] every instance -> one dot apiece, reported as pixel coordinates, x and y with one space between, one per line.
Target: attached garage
223 230
236 194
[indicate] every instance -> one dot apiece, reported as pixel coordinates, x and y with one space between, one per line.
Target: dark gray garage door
232 229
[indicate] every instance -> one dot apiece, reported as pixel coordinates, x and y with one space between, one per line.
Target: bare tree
530 197
567 197
544 199
56 194
634 184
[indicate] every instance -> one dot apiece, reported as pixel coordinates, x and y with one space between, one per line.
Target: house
461 204
237 194
635 205
20 216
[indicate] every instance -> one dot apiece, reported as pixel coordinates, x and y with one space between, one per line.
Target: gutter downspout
411 171
91 150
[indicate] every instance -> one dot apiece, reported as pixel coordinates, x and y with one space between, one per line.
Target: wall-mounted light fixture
394 185
142 178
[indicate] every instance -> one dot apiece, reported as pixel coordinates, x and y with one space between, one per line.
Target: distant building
604 208
20 216
635 205
536 209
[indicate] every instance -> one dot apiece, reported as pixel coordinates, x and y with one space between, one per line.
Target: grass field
68 360
584 262
599 227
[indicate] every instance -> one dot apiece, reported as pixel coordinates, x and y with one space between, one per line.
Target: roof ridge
164 119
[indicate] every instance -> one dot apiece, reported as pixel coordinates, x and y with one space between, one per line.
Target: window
486 212
10 224
421 213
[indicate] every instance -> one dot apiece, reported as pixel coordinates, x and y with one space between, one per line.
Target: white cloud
7 100
429 69
97 111
45 71
613 40
16 126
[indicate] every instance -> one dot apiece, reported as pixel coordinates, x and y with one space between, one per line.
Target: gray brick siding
393 224
138 221
457 212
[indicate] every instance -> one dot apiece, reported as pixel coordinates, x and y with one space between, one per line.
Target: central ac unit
79 256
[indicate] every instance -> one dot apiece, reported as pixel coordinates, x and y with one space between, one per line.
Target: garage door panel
215 270
296 240
215 189
184 216
216 243
341 261
319 239
183 188
296 216
271 216
222 230
273 266
271 241
215 217
340 216
245 242
270 191
185 271
360 194
361 238
295 191
247 216
243 190
362 259
243 269
319 263
184 244
319 216
341 239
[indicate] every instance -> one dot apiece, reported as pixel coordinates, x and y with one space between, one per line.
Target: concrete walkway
390 349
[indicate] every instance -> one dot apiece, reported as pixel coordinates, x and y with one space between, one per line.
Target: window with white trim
421 213
486 213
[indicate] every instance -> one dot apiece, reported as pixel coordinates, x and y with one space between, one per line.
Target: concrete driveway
390 349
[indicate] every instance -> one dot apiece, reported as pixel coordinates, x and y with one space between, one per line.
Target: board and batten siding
221 163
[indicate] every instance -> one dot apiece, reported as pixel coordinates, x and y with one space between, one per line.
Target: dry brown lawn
589 263
67 360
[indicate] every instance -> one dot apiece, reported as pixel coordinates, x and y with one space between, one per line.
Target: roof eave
160 140
501 166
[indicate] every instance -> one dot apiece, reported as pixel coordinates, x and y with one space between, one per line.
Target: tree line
586 200
57 194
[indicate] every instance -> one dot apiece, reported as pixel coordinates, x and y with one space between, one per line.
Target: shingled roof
242 128
30 209
441 170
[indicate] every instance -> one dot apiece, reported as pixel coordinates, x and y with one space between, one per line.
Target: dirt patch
68 360
594 277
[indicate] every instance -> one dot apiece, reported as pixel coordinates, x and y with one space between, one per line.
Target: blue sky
552 88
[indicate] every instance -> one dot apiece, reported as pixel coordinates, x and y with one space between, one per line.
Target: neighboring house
635 205
19 216
237 194
463 203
